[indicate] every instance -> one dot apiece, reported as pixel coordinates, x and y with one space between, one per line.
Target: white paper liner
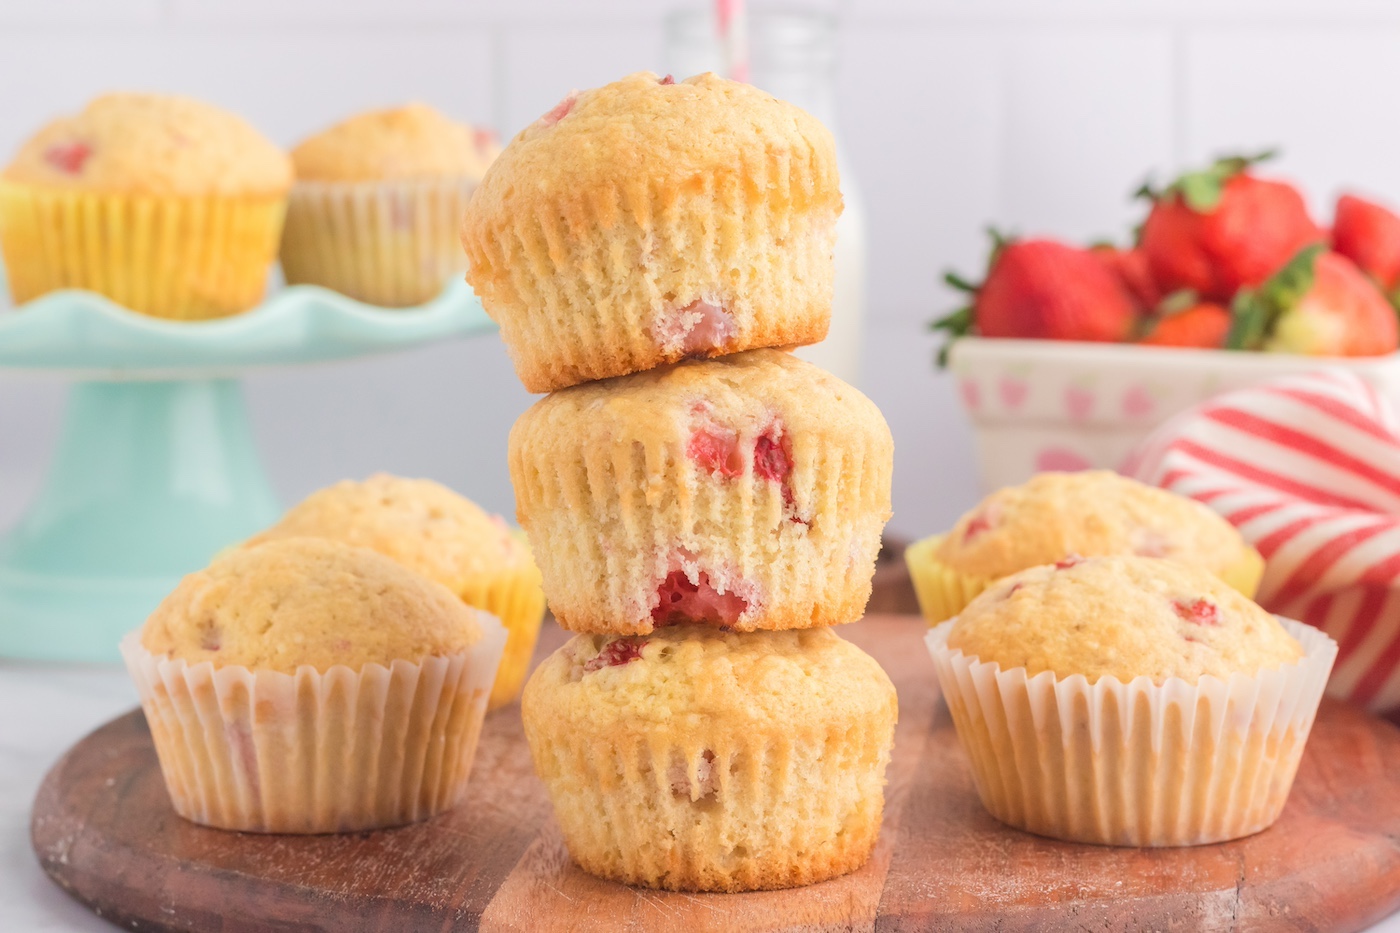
264 751
386 243
1134 764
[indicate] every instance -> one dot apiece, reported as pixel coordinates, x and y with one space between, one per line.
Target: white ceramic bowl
1054 405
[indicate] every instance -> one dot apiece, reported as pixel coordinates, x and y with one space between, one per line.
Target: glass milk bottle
793 56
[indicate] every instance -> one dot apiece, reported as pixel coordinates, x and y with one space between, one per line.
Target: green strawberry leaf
999 242
955 325
1286 286
1249 319
1201 190
1146 191
1143 327
1183 299
1256 311
955 280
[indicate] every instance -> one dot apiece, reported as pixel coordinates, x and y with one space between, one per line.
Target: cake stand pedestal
156 468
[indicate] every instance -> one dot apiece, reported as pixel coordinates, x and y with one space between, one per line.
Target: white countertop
47 709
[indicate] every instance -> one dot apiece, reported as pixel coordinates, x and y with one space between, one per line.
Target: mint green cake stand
156 469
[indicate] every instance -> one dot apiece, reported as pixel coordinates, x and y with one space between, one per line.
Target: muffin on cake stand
156 468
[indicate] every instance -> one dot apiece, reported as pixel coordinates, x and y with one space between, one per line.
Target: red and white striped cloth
1308 469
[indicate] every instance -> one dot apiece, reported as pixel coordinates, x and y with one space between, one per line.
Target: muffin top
421 524
308 601
1090 513
402 143
152 144
663 134
761 414
1122 616
689 673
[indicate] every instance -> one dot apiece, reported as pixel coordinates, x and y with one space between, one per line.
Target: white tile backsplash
78 14
442 412
923 124
541 65
1086 114
287 84
1034 115
1323 97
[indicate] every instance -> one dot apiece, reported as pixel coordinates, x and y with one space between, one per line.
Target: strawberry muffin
700 760
1163 707
1056 515
378 200
166 205
746 492
306 686
445 537
652 220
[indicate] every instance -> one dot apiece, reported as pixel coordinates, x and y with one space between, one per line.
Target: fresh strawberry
1131 268
1369 235
1201 324
1320 304
1222 229
1043 289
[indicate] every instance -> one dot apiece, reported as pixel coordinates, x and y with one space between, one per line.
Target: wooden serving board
104 830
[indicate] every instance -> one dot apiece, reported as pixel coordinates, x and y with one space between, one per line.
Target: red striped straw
734 33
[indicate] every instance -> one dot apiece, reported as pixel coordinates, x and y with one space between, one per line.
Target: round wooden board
104 830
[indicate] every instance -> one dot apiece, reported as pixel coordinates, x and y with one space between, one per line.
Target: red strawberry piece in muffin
698 329
681 600
615 654
68 157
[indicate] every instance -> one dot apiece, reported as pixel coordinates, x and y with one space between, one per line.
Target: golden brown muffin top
308 601
153 144
402 143
683 673
421 524
1089 513
644 130
1125 617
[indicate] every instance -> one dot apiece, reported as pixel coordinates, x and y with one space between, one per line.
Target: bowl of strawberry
1066 356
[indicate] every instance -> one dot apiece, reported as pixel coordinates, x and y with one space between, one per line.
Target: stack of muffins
702 505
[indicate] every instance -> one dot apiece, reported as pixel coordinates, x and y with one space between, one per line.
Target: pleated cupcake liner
719 809
386 243
594 285
943 592
1136 764
515 598
606 532
311 752
181 257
